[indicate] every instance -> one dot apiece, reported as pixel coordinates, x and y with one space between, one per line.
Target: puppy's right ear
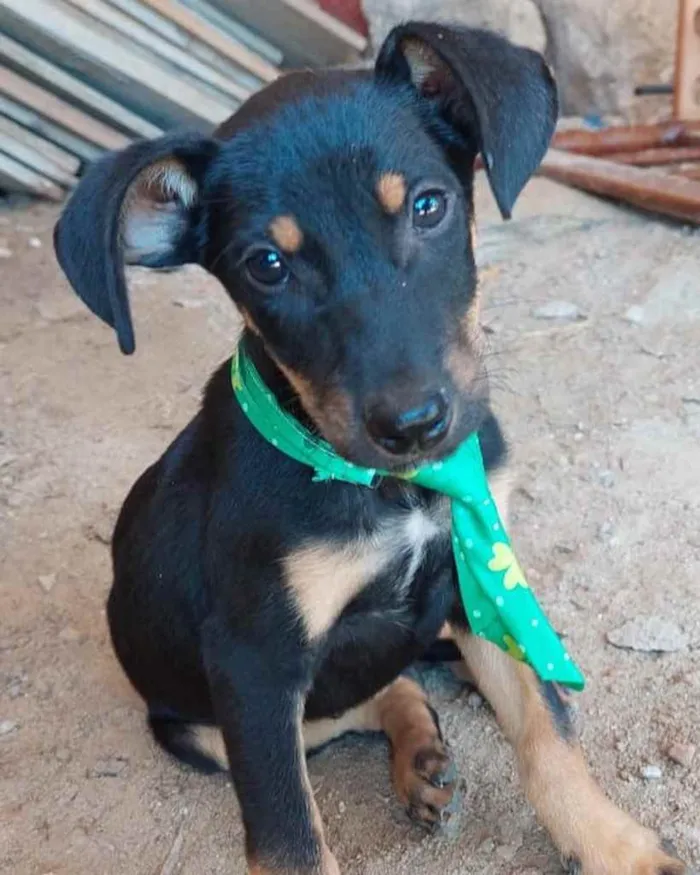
138 206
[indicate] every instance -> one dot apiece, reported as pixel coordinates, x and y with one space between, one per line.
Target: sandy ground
604 414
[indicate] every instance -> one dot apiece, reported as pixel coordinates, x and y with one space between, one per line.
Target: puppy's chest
378 568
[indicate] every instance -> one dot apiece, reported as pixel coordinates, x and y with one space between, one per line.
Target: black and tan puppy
335 208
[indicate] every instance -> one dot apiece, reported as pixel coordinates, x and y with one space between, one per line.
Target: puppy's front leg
258 700
594 836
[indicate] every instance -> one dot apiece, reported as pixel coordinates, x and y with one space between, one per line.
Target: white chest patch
418 530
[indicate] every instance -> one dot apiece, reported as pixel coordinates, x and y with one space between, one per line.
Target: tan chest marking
325 577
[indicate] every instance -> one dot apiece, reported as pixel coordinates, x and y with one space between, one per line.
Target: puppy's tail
201 747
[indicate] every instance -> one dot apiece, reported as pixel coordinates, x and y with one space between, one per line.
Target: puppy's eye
429 209
267 267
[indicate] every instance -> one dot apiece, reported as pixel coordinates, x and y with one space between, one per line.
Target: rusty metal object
650 190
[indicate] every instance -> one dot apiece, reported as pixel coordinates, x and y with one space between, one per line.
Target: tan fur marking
248 321
470 324
363 718
331 412
462 367
391 191
463 357
325 578
210 741
420 761
329 865
403 711
583 823
286 234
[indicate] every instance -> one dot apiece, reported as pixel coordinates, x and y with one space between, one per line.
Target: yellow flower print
513 648
408 475
504 560
236 379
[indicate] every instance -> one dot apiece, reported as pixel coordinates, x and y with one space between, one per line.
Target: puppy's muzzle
405 430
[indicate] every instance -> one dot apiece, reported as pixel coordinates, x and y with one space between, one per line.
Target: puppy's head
336 210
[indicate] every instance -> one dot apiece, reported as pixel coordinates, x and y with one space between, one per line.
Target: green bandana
496 597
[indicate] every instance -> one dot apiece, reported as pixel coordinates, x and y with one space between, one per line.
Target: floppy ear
138 206
499 99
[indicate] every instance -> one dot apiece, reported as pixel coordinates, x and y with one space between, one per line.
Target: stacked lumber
654 168
81 77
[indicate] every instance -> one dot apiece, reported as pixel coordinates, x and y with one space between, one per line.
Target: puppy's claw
426 783
572 866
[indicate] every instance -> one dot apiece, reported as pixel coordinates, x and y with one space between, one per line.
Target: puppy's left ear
497 98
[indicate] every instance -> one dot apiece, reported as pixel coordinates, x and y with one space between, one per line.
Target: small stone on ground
649 635
559 311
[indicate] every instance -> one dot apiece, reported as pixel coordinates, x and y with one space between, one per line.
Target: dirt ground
604 415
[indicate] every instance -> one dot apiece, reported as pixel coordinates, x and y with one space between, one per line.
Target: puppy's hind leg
422 770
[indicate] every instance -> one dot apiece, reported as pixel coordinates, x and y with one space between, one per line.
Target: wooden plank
16 177
209 35
304 32
48 130
236 30
67 165
62 159
17 88
686 92
73 89
691 171
648 189
179 37
126 73
627 138
657 157
35 160
142 36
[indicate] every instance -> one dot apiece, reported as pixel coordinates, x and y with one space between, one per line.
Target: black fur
201 617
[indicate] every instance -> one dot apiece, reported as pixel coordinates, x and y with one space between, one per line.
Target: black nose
403 431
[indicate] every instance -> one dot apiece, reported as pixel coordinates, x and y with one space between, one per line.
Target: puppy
335 208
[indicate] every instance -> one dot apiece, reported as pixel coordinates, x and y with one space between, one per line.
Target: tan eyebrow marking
286 234
391 191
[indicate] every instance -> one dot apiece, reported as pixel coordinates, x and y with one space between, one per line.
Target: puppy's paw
426 780
634 852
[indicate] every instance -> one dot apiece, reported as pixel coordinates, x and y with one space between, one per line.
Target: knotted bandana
497 600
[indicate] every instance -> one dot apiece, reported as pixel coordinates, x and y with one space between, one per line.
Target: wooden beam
17 177
686 92
238 32
62 159
48 130
657 157
125 73
204 31
18 88
628 138
39 69
303 31
181 38
650 190
152 42
35 159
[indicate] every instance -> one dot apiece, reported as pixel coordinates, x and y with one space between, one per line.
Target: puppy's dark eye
429 209
267 267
